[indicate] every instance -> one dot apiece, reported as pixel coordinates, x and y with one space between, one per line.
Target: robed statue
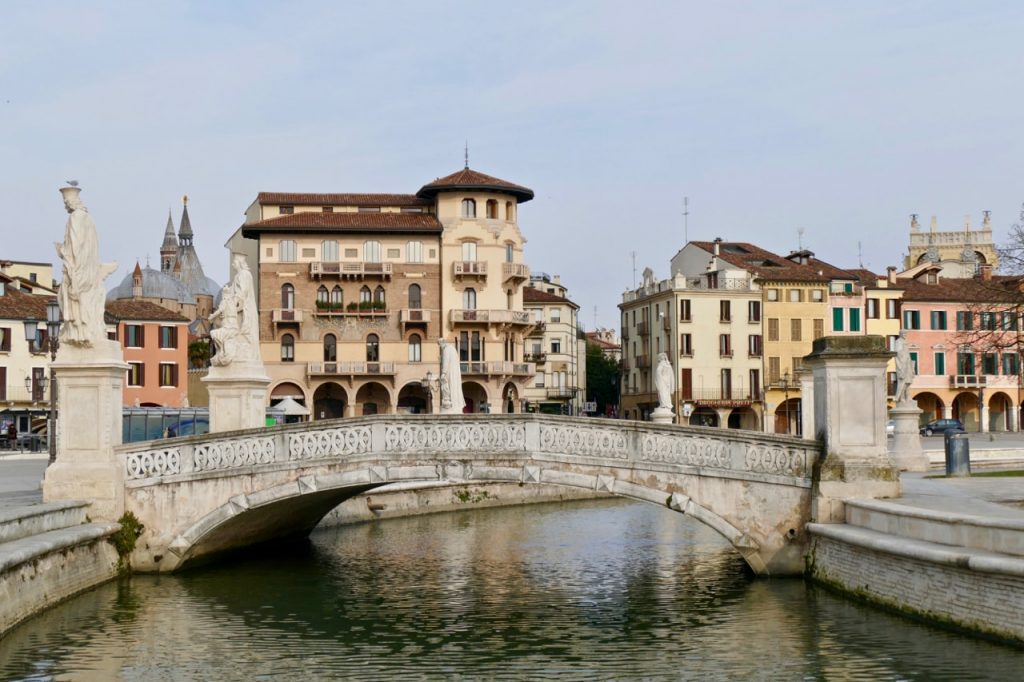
236 332
904 369
664 381
81 295
452 400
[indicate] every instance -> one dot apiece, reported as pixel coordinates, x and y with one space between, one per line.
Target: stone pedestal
89 426
662 415
907 454
238 397
806 379
850 416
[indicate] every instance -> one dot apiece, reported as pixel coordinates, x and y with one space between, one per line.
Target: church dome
155 284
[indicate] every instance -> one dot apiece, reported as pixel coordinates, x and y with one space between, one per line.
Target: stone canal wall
401 500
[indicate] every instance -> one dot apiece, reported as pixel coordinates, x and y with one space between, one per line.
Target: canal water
574 591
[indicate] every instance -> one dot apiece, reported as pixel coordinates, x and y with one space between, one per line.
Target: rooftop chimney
718 245
890 273
986 272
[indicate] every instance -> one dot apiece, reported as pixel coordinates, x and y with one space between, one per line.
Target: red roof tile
1000 289
127 309
341 199
15 305
770 266
535 295
346 222
467 178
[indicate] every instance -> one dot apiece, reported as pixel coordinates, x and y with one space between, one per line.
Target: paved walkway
21 475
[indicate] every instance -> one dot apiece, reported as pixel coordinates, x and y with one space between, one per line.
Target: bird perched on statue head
73 183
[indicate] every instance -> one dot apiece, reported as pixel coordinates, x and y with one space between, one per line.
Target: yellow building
356 289
958 252
555 347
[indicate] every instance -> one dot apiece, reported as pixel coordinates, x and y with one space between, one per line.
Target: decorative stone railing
729 452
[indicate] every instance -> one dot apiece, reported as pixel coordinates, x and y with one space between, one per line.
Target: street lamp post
53 322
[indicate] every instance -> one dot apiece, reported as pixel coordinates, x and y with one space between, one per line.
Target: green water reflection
596 590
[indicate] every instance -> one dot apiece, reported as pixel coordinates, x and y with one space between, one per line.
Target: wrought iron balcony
539 358
561 392
643 328
643 362
539 327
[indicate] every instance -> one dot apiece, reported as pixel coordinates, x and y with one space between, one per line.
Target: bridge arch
201 495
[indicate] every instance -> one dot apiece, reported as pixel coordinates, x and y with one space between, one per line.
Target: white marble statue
236 334
904 370
665 381
452 400
81 295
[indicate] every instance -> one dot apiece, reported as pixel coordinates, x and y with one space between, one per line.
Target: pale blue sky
838 118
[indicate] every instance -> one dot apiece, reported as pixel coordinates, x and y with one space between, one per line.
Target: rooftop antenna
466 155
860 256
147 261
595 317
800 239
686 219
633 254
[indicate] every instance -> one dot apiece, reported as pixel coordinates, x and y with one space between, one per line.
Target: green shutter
854 319
940 364
837 319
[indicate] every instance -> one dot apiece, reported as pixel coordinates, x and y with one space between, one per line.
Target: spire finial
184 199
466 155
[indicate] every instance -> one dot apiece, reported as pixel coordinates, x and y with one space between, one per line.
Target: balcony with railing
319 369
539 327
409 316
498 368
726 397
286 316
561 392
357 270
538 358
365 309
643 328
512 317
643 362
968 381
515 272
470 268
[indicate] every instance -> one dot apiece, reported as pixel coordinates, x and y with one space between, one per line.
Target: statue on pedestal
236 334
452 400
81 295
904 370
665 383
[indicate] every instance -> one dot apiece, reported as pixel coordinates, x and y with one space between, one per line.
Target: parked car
941 426
890 428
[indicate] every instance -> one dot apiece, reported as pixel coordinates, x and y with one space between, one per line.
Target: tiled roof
1000 289
346 222
770 266
534 295
467 178
14 305
126 309
342 199
865 277
593 338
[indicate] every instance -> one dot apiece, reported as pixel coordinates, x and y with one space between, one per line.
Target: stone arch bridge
203 495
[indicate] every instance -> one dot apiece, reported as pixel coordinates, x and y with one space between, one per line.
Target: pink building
155 342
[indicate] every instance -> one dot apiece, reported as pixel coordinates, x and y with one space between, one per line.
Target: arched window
329 250
286 251
336 296
372 348
469 251
415 348
371 251
322 297
287 348
415 297
287 297
364 295
378 294
330 348
468 208
509 215
510 251
414 252
469 299
492 209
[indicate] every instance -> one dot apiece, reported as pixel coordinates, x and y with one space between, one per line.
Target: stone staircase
49 552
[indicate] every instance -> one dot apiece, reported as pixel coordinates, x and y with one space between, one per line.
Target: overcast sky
837 118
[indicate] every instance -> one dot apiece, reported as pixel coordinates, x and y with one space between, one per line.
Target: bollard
958 454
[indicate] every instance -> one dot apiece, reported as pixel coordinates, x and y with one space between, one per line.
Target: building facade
555 347
355 290
24 373
959 252
155 345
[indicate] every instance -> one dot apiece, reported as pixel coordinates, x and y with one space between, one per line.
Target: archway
288 391
931 407
965 408
510 399
1000 407
413 399
744 418
704 416
373 398
476 397
329 401
787 417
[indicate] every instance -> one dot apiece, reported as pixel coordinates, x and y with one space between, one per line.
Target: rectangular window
329 250
754 345
686 383
1011 364
938 319
556 314
911 319
890 380
556 345
940 364
286 251
754 311
871 309
3 383
684 310
771 294
168 374
685 344
819 328
964 321
369 209
913 360
287 210
136 374
854 319
796 330
773 329
774 365
538 380
726 384
755 384
327 209
837 319
796 295
5 339
892 309
725 345
1009 321
724 311
168 337
134 336
987 321
817 295
989 365
965 363
414 252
